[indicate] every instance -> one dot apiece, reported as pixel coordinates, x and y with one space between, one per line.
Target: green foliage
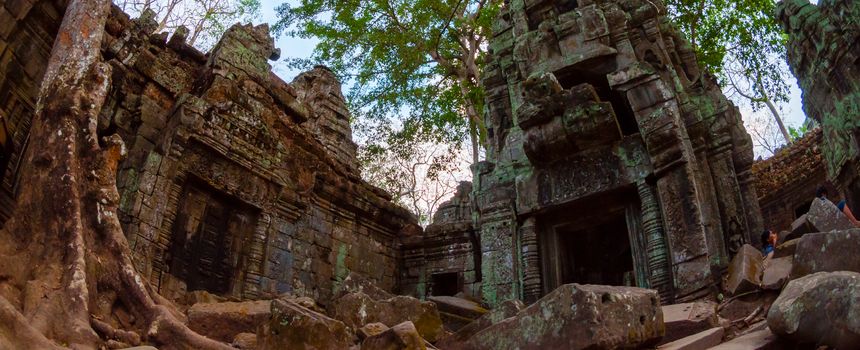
797 132
740 42
405 62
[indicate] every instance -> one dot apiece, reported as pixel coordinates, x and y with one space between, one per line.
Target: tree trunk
65 265
778 119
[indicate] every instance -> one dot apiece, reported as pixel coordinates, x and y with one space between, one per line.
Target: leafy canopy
740 42
415 62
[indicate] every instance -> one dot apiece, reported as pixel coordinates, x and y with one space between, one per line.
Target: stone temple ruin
236 182
613 161
613 158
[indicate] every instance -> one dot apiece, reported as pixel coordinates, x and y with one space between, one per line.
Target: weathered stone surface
745 271
292 326
819 309
682 320
826 217
370 330
358 309
457 312
458 306
402 336
786 248
702 340
776 272
762 339
822 55
247 341
355 283
579 317
223 321
506 309
830 251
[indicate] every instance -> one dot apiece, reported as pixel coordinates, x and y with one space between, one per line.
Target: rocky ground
805 295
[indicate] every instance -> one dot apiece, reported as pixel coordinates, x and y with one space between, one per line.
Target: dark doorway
446 284
207 249
802 209
599 254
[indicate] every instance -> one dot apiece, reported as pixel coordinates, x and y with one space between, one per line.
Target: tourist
821 193
768 242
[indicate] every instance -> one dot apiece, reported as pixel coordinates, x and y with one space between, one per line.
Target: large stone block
826 217
292 326
819 309
503 311
402 336
686 319
702 340
744 271
580 317
830 251
223 321
358 309
776 272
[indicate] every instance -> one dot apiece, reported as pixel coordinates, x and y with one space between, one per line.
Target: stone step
701 340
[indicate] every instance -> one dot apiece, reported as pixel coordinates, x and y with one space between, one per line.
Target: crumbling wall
236 181
823 53
447 253
786 182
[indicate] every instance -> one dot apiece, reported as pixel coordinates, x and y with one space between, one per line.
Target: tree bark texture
66 275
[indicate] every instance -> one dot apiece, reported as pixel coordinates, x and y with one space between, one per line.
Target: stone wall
447 253
613 158
786 182
236 181
824 53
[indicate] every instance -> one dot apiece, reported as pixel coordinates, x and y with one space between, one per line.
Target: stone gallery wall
235 182
786 182
446 259
824 55
613 158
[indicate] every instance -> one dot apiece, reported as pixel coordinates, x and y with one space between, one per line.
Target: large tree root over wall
66 276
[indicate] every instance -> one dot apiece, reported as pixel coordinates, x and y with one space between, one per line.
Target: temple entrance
593 242
209 236
446 284
599 254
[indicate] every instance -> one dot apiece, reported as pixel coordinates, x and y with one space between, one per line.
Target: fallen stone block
246 341
580 317
826 217
223 321
701 340
506 309
787 248
744 271
455 312
292 326
819 309
402 336
458 306
762 339
799 227
359 309
686 319
827 252
355 283
776 273
370 330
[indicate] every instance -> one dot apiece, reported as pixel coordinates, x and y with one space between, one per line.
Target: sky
792 112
